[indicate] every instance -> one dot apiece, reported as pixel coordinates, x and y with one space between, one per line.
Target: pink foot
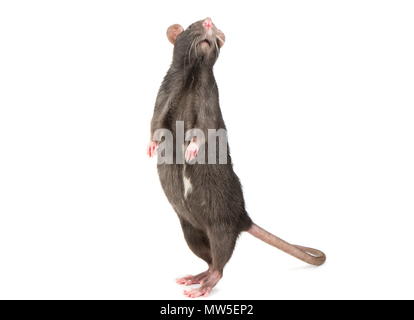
152 149
205 289
191 152
198 279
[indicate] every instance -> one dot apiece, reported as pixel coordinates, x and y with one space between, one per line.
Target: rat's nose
208 23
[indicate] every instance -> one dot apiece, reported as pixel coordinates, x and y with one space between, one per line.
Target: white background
319 105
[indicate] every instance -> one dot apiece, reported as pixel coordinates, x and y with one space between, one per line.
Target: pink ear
221 37
173 32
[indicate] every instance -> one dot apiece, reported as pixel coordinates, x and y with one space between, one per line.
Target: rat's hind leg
199 244
222 245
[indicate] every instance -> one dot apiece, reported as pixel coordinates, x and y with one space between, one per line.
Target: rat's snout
208 23
208 28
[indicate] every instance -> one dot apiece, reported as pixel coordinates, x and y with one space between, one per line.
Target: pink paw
185 280
198 279
208 280
152 149
191 152
198 292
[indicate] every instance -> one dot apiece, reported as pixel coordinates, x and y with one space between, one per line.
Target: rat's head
199 43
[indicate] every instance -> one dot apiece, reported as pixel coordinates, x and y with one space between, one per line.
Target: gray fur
212 213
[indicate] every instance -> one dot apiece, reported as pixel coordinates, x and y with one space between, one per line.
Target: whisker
195 49
184 61
214 84
221 40
189 51
217 49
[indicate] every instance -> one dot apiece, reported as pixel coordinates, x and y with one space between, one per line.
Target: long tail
308 255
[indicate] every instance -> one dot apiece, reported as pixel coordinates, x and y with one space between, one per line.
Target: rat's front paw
152 149
191 152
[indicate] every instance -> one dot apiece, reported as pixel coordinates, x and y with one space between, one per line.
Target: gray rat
207 197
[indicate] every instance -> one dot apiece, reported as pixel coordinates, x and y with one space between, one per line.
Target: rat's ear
173 32
221 37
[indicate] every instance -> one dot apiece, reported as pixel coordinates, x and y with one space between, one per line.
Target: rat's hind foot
205 289
198 279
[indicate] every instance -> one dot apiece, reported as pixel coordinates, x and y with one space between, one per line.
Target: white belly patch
187 187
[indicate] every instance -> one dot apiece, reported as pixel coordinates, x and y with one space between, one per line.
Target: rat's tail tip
308 255
319 256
